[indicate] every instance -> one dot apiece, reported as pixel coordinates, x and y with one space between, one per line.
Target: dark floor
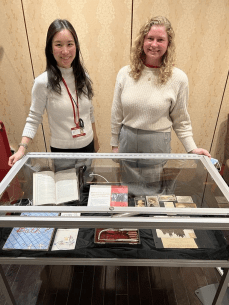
101 285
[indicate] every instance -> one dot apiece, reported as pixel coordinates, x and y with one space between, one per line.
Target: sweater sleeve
116 112
181 119
92 117
92 113
38 105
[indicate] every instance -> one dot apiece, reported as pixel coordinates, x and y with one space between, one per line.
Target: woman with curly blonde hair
138 56
150 98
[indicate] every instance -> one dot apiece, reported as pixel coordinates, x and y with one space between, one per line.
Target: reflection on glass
186 179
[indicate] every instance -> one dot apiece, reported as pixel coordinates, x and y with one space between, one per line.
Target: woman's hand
17 156
200 151
115 149
21 151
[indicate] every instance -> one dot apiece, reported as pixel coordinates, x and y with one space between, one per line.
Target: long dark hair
83 82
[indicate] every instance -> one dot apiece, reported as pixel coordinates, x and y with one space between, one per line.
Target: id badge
77 132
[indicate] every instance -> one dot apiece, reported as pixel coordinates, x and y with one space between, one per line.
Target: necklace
149 66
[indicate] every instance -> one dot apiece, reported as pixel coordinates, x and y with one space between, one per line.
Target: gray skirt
144 177
133 140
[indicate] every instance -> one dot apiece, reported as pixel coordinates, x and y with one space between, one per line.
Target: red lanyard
73 107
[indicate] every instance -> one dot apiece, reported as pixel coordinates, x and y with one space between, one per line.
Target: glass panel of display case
185 181
114 206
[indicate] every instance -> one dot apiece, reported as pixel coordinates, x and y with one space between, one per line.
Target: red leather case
5 152
13 191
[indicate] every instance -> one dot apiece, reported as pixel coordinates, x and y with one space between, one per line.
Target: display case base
207 293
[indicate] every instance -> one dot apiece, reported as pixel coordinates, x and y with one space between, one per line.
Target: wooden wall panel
202 42
218 143
104 36
16 77
104 30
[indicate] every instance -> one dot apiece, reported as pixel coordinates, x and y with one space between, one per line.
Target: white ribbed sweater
143 104
60 112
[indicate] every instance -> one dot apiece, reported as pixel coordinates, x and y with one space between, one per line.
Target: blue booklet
30 238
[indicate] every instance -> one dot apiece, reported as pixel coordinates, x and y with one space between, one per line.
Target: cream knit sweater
60 112
145 105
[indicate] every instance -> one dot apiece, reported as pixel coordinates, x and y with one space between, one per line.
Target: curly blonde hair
138 55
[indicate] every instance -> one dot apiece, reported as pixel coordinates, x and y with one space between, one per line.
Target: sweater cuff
114 140
188 143
28 133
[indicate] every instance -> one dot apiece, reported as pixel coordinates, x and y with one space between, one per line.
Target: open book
55 188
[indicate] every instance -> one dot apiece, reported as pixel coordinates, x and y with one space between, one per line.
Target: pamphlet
65 239
108 195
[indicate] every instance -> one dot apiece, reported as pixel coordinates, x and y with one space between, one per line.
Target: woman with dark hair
150 98
65 91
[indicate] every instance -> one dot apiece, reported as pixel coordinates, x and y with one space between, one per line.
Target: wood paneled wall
106 29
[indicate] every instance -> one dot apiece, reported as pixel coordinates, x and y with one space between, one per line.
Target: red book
119 196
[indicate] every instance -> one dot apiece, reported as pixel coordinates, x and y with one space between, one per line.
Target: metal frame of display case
195 222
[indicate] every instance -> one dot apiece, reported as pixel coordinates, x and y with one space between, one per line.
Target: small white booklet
55 188
65 239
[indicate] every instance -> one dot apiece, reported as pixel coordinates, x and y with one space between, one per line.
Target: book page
185 199
185 243
69 214
185 205
191 233
66 186
175 233
169 204
43 188
99 195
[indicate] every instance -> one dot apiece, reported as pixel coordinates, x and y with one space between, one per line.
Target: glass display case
115 209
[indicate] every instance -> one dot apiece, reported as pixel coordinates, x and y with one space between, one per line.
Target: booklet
65 239
55 188
30 238
108 195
